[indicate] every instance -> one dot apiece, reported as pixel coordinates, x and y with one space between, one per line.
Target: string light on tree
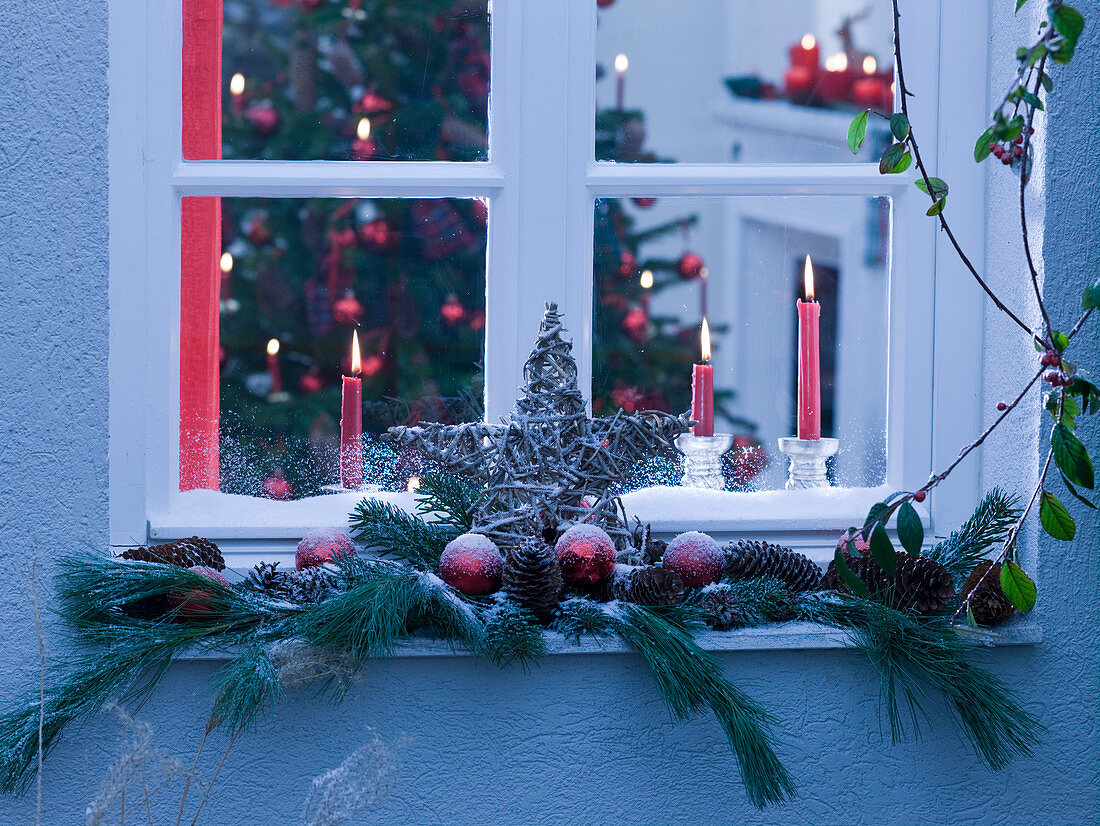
236 90
363 148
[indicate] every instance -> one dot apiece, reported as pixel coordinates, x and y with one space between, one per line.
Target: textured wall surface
582 739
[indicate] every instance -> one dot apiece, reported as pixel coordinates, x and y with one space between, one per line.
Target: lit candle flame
869 65
621 63
647 279
704 340
808 41
273 347
356 359
413 485
837 63
363 129
227 262
236 84
808 279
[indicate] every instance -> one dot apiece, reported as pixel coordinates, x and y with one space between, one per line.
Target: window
532 181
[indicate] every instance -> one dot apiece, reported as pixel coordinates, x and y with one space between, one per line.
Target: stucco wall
583 739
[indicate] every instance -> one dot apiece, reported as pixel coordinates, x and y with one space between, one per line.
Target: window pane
339 80
710 81
297 277
740 262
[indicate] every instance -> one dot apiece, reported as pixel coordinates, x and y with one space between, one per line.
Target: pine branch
246 686
512 635
389 531
989 523
454 499
762 600
910 653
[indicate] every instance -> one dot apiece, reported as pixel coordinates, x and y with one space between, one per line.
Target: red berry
1050 359
997 149
1018 139
1006 160
1056 378
1017 152
695 557
1002 406
918 496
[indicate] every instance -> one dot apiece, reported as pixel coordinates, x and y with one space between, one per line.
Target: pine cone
183 553
648 586
301 73
721 610
309 585
921 584
532 577
988 602
344 64
750 559
268 579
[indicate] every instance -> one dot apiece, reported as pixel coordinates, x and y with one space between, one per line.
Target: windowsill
788 636
807 520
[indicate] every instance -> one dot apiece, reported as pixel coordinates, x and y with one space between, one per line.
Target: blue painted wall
583 739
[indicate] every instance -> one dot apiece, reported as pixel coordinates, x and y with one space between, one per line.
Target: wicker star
550 463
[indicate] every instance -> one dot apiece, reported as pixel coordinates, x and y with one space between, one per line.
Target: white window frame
541 180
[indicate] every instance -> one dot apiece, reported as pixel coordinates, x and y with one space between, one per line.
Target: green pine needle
966 547
910 653
762 600
246 685
512 635
454 500
389 531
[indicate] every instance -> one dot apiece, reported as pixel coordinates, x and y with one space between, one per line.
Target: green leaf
1060 340
882 551
857 131
1070 409
910 529
1090 298
1075 494
938 190
1020 4
1047 82
937 207
1055 519
854 583
1069 23
877 510
1031 99
1018 586
981 148
894 159
1036 54
899 125
973 623
1071 456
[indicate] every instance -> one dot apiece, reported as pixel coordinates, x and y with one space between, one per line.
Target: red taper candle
806 54
702 389
809 361
273 369
351 422
621 64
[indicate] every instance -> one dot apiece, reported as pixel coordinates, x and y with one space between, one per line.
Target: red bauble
480 211
322 545
371 103
586 554
310 383
377 235
477 321
257 231
195 604
695 557
373 364
347 310
452 310
603 4
472 564
690 266
627 264
277 486
636 324
749 459
263 117
628 398
644 203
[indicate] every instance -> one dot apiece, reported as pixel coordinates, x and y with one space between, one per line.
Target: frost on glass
711 81
659 268
298 276
339 80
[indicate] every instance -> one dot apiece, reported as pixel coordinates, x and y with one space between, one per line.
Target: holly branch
1073 392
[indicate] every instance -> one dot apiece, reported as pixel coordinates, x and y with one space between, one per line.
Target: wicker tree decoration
550 464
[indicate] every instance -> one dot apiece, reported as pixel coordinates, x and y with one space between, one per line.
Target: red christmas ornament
603 4
644 203
373 364
263 117
377 235
695 557
310 383
277 486
627 264
257 231
452 310
628 398
472 564
690 266
481 212
636 324
347 310
749 459
322 545
372 103
195 604
477 321
586 554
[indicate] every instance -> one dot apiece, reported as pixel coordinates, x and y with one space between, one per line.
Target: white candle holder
364 488
703 465
807 461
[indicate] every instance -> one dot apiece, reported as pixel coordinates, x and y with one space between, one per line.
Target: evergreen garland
387 530
451 498
966 547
